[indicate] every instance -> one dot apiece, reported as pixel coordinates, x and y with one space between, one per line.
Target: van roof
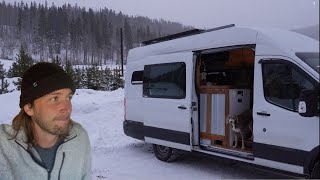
183 34
287 41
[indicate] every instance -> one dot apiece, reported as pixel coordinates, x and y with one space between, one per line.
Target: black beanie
41 79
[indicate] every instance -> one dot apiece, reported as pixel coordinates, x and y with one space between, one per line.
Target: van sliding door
167 92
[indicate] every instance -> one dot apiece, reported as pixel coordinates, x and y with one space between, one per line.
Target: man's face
51 113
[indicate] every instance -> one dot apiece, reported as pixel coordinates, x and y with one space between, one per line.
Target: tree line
85 77
75 34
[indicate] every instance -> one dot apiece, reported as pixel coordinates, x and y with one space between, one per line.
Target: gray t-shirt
48 155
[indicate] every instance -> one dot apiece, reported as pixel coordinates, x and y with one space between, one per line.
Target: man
43 142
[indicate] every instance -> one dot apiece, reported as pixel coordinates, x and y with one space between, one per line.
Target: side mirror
308 103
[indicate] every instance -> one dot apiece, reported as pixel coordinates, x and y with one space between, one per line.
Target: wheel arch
311 159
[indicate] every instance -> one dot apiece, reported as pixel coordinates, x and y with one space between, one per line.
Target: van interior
224 86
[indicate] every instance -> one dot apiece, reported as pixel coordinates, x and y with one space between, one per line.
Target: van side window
165 80
137 77
283 84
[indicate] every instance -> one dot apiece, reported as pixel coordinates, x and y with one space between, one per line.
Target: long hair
23 122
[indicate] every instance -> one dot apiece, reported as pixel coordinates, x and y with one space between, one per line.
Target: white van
180 89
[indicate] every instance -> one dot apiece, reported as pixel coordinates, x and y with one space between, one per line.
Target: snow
109 65
6 63
117 156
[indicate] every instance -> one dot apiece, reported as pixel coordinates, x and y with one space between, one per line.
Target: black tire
315 173
165 153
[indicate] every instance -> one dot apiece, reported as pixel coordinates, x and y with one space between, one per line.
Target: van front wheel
165 153
315 174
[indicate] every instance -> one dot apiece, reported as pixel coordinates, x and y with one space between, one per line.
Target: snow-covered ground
116 156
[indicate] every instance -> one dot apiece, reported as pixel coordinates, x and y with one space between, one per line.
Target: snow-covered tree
3 83
84 78
78 78
23 62
4 86
94 76
2 71
107 77
117 81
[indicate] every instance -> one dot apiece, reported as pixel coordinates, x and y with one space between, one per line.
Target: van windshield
312 59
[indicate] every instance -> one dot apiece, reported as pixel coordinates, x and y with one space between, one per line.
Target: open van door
167 92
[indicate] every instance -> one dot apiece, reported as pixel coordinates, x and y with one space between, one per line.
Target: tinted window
312 59
283 84
137 77
165 81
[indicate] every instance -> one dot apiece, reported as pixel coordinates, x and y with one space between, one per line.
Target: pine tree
23 62
127 35
98 78
88 78
84 78
57 60
107 77
3 83
2 71
4 86
18 83
20 18
94 77
68 68
71 72
42 31
78 78
117 81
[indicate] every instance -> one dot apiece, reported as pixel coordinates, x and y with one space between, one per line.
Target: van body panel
283 127
236 36
195 108
163 116
287 42
283 137
275 42
133 129
258 161
168 143
312 157
279 165
133 94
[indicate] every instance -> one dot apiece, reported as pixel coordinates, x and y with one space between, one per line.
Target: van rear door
167 92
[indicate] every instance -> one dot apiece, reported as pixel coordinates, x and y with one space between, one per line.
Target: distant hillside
311 31
72 33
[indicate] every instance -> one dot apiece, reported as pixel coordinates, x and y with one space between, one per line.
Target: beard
52 128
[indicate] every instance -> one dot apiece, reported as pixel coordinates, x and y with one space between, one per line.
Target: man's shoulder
78 135
78 130
76 127
6 130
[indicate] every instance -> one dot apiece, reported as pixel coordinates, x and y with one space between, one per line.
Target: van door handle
263 114
182 107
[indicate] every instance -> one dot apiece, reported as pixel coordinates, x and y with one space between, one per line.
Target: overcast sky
285 14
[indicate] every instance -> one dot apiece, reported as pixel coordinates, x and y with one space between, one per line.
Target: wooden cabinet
216 102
